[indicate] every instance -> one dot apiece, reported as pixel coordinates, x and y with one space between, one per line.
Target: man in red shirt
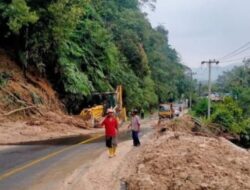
111 129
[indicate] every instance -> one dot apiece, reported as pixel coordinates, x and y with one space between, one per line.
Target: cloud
203 29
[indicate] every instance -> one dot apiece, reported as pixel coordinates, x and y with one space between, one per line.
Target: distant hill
202 72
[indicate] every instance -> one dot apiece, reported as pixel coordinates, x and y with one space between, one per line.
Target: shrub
223 117
200 108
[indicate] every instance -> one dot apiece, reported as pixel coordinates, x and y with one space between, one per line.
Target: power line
235 51
233 60
238 53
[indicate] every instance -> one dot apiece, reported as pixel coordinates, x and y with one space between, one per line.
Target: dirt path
104 173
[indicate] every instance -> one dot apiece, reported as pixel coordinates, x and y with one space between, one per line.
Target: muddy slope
30 108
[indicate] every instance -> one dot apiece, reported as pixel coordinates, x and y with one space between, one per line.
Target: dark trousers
135 136
111 142
142 115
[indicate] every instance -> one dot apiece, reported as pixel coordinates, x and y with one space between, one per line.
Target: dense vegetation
87 46
233 112
237 84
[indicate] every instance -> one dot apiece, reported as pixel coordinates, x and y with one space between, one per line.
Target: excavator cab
166 111
100 103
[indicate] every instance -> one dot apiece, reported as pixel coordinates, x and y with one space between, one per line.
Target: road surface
45 166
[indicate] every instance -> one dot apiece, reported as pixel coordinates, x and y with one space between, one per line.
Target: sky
204 29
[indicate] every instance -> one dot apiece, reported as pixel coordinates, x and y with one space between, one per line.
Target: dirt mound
181 160
17 91
183 124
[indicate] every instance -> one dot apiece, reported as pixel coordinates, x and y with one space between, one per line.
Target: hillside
30 109
18 91
56 54
84 47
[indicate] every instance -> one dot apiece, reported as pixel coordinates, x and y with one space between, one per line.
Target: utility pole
190 98
199 89
210 62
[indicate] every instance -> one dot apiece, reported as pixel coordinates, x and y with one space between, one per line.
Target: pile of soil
17 91
29 107
178 159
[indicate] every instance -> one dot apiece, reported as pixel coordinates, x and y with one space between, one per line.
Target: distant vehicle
166 111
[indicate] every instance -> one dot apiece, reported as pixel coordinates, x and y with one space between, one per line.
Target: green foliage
200 108
65 14
228 114
87 46
150 96
19 15
245 126
74 81
233 107
224 117
244 100
237 83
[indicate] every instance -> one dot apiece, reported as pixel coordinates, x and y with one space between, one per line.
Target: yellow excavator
107 100
166 111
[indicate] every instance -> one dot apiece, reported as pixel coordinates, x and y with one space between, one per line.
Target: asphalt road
25 166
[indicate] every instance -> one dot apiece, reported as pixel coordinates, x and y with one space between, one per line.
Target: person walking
135 128
111 130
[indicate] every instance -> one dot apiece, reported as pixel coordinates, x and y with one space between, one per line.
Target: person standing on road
142 113
135 128
111 130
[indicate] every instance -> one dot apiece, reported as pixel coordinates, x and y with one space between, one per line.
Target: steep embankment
29 107
18 91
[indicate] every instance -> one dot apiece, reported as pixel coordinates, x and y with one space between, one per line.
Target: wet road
24 166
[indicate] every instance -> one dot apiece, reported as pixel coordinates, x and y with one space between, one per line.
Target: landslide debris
175 158
30 108
17 91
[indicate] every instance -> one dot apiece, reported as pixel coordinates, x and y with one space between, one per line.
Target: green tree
85 46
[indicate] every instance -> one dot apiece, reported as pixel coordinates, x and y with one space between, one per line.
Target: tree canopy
87 46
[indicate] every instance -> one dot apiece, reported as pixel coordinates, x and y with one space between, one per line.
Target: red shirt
111 126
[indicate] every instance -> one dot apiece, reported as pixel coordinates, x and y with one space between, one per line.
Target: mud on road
173 158
178 159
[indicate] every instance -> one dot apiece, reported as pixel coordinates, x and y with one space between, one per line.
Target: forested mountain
85 46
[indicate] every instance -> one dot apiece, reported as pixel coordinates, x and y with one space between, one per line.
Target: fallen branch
17 110
13 96
204 134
